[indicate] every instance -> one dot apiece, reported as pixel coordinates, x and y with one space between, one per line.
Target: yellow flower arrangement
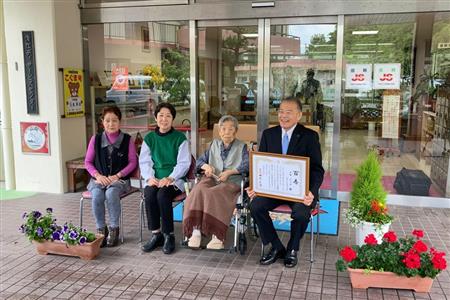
155 72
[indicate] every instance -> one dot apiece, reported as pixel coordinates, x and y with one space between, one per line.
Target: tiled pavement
125 272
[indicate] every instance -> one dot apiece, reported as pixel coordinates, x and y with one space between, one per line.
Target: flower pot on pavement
366 228
87 251
362 279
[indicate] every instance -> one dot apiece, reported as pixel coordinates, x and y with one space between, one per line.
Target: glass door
227 68
302 58
246 67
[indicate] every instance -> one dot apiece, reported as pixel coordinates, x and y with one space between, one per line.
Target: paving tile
125 272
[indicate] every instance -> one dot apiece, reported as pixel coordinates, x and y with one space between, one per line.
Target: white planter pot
366 228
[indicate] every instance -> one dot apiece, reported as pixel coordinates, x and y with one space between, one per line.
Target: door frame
263 122
263 75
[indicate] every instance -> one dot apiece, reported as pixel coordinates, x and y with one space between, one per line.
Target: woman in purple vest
110 159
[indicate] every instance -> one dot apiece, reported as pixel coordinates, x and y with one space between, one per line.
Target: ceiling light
366 32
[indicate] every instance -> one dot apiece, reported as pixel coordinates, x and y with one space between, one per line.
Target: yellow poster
73 93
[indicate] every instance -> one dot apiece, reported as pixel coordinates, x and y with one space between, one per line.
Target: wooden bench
73 166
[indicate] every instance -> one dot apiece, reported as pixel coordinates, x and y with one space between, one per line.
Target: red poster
120 78
35 137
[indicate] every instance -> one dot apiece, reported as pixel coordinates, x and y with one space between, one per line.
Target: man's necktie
285 143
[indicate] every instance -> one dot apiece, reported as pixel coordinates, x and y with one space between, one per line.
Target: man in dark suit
289 138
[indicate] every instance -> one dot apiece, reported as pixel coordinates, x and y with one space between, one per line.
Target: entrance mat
13 194
329 217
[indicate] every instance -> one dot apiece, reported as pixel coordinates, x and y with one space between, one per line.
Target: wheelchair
241 219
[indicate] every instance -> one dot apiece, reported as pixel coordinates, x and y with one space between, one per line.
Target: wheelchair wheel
242 243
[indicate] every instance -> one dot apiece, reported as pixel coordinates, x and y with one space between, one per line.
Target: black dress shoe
169 243
272 256
157 240
290 260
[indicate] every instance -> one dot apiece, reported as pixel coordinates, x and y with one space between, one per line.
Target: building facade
370 76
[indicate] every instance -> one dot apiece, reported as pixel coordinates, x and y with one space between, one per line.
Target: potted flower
405 263
367 211
42 230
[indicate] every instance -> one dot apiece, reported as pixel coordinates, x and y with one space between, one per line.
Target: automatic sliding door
303 65
227 60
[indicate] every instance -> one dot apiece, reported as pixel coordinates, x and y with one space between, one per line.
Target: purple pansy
82 240
22 228
65 228
36 214
39 231
24 215
56 236
49 210
73 235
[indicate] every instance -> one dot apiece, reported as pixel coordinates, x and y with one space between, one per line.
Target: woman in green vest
164 162
209 207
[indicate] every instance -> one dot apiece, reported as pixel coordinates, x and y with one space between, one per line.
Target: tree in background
234 47
175 67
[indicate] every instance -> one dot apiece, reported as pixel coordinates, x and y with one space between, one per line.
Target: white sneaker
195 240
215 244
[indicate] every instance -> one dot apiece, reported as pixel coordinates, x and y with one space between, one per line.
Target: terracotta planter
362 280
87 251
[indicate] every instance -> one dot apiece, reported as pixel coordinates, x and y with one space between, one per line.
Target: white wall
56 26
69 54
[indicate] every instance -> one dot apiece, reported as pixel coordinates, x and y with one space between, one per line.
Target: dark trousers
260 207
158 207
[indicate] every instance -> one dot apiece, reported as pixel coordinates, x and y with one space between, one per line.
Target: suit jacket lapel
295 138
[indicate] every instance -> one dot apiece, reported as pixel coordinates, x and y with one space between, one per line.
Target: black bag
412 182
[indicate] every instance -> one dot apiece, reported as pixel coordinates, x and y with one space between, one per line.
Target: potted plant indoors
406 263
48 237
367 211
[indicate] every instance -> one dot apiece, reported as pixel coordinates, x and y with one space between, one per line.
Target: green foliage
402 256
39 227
366 188
175 67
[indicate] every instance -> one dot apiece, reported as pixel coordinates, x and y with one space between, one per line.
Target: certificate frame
276 162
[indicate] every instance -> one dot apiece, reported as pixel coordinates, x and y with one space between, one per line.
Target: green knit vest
164 151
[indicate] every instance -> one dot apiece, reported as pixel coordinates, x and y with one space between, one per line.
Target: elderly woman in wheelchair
209 206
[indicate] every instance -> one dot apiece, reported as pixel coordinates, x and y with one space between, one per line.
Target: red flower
390 236
420 246
418 233
370 239
348 254
439 261
375 206
411 260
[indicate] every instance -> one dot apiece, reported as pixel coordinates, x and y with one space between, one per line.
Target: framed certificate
284 177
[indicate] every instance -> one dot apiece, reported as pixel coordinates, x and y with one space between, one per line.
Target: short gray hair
228 118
